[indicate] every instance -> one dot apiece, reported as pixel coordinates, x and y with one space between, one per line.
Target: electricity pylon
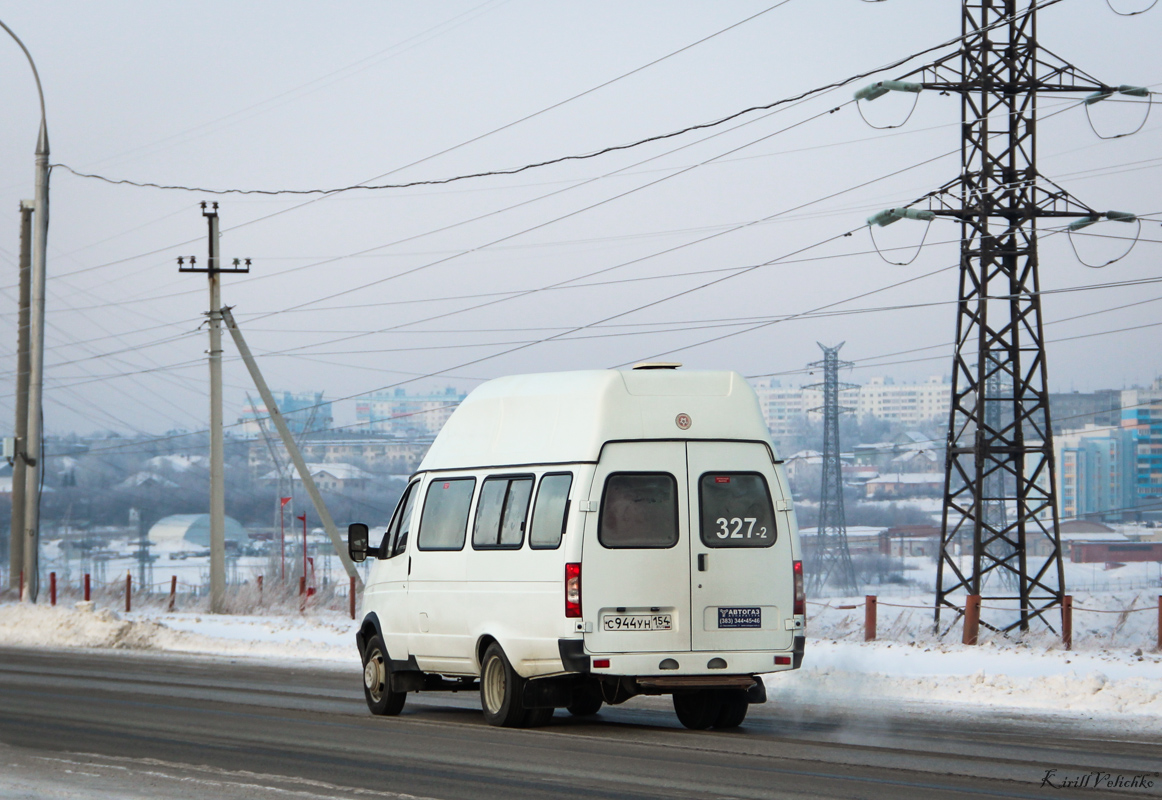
1000 449
830 560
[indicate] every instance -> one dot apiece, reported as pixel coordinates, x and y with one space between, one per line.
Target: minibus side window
639 509
501 513
402 526
444 521
736 510
551 511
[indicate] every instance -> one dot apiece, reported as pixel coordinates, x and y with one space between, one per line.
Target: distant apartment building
303 412
401 414
1142 413
904 403
1096 472
381 454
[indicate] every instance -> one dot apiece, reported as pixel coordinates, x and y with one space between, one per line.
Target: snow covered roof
147 478
177 461
338 471
182 530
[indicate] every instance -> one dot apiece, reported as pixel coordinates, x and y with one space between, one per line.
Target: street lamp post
30 450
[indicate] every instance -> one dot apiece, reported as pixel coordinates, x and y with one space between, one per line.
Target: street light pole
31 450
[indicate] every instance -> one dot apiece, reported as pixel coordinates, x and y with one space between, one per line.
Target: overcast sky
608 258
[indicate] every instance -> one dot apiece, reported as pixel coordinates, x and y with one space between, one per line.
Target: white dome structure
186 531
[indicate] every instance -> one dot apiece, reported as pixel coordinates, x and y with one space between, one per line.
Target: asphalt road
124 725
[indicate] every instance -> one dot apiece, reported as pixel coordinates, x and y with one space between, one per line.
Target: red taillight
601 663
782 661
572 590
800 595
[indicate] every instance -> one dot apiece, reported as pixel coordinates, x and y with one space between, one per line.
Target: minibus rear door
635 578
740 559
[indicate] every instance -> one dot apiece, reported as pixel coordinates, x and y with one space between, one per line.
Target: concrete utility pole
217 446
16 532
292 450
32 449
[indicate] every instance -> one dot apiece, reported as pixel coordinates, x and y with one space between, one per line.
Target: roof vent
657 365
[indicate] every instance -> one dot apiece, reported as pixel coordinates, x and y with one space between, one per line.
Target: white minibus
578 538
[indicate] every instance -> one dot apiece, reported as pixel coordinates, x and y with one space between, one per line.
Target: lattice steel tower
830 560
1000 446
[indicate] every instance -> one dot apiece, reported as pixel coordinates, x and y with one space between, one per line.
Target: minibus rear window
550 511
501 513
639 509
444 522
736 510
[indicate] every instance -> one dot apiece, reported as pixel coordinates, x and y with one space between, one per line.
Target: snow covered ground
1113 677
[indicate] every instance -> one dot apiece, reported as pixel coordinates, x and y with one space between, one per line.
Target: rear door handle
701 562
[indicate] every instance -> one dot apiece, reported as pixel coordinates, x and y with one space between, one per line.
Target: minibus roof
566 417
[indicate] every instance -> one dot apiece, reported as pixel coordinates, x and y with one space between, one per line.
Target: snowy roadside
1119 689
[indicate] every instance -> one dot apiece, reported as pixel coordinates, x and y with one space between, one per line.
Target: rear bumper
574 658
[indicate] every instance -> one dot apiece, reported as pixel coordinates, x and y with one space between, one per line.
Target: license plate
636 622
746 617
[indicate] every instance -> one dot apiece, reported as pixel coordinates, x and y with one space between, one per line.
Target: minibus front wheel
381 699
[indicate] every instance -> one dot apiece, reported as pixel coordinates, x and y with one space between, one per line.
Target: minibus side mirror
357 541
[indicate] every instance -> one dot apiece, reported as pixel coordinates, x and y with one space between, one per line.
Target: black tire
500 690
536 717
377 681
586 701
733 709
697 710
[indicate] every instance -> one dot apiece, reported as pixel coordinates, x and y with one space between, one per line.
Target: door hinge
587 506
783 505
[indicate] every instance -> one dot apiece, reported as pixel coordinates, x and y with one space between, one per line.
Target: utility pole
32 446
217 446
292 448
16 532
1000 460
831 560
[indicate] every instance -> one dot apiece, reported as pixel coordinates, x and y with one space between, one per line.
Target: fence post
1160 622
352 597
260 590
52 588
128 589
971 618
869 618
173 590
1067 621
21 595
86 587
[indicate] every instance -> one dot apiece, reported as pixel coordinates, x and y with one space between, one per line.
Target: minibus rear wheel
733 709
697 710
586 700
500 690
377 681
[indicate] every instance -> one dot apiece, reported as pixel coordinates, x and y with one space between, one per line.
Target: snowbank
328 638
1121 685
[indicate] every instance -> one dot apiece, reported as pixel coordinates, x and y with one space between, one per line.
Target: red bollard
128 589
971 618
86 587
302 584
173 590
1067 621
869 618
52 588
352 597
